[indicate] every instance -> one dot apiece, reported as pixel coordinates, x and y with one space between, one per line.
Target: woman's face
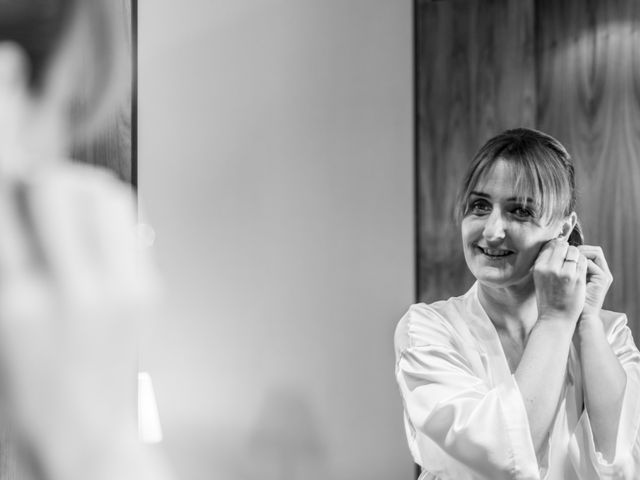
502 237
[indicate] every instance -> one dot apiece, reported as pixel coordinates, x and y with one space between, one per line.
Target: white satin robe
464 415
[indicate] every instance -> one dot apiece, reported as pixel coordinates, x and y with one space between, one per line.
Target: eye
478 207
522 212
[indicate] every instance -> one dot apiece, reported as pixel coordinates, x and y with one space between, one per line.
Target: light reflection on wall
589 97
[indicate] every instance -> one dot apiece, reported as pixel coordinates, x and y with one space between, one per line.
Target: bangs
545 189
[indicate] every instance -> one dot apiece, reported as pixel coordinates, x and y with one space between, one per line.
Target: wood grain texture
111 148
8 460
568 67
471 84
589 98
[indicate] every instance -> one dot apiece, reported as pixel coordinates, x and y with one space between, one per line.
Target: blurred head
518 193
62 68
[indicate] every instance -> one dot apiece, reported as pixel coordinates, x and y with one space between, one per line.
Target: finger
570 262
581 269
568 271
545 253
572 254
20 250
590 250
13 254
595 254
593 268
558 254
596 274
543 257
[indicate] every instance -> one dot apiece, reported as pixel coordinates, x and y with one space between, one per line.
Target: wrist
555 324
559 319
590 324
590 317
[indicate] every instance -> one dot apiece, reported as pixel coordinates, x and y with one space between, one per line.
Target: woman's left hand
599 279
74 286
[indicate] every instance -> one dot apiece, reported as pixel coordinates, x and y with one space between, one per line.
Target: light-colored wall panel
276 167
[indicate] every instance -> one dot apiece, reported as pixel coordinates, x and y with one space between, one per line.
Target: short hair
542 166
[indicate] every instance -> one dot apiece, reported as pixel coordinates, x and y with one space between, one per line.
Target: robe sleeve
483 427
626 462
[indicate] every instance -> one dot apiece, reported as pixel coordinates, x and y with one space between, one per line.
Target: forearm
541 373
604 384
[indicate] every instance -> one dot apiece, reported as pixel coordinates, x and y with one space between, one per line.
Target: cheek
469 229
534 240
464 233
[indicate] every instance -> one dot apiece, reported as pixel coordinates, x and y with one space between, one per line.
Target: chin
493 281
502 281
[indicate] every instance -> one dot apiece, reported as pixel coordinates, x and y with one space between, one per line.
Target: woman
71 282
525 376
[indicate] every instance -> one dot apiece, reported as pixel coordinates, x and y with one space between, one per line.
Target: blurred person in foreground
525 376
72 283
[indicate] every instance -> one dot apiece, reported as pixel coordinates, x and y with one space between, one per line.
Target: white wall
276 167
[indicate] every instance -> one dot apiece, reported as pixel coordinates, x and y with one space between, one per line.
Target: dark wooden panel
475 77
443 134
570 68
112 147
589 98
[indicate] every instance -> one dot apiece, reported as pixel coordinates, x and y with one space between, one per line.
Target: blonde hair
95 30
543 169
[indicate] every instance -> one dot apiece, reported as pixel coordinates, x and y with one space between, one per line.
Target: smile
495 253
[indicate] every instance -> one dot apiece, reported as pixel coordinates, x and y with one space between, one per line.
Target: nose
494 229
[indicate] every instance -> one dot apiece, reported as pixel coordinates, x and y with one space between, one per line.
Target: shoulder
615 327
613 321
429 324
620 339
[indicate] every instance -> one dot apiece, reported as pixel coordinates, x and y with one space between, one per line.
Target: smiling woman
522 183
492 209
525 376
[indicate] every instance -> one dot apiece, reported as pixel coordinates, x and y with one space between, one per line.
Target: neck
512 310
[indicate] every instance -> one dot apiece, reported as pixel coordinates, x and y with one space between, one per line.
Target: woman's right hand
559 275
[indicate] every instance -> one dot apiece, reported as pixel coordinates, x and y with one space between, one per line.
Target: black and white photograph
319 240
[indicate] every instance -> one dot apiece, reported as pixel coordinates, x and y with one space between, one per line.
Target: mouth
495 253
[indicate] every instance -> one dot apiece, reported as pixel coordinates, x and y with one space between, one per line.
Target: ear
567 225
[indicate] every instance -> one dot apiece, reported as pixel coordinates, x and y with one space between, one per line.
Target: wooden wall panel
588 64
568 67
470 85
112 147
